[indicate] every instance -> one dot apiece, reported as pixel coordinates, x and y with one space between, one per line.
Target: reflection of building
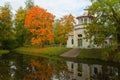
80 71
12 69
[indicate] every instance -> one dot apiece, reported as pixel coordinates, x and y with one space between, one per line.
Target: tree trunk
42 44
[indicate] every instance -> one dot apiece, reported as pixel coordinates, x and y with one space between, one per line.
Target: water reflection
39 70
83 71
23 67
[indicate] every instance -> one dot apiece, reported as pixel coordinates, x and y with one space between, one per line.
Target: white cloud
57 7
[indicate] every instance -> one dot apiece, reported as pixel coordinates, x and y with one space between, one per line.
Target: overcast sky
58 7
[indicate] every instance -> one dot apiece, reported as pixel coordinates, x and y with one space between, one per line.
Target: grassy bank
100 54
117 57
49 51
3 51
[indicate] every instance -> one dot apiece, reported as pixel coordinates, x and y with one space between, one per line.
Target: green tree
19 26
29 4
106 22
6 28
5 22
23 36
55 26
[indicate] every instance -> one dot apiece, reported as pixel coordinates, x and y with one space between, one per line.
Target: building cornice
84 17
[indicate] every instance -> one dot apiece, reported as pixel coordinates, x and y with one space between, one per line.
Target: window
85 20
79 35
89 20
80 21
79 67
79 42
79 74
72 41
95 70
72 65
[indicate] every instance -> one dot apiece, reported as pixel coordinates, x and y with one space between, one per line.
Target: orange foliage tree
39 22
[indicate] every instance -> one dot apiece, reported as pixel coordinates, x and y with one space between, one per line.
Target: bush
10 44
104 55
117 57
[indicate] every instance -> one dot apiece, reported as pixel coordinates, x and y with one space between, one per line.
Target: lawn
117 57
100 54
3 51
49 51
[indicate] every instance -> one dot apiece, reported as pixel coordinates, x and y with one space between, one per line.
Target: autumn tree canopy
5 23
64 26
7 39
39 22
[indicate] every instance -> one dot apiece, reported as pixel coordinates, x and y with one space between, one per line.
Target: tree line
32 25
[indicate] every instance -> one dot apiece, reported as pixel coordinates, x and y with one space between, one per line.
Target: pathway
71 54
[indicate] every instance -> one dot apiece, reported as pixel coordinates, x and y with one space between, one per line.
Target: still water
23 67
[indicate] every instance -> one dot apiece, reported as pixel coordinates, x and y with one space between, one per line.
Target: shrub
104 55
117 57
10 44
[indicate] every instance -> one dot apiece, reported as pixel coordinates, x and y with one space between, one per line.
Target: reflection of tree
21 64
41 68
60 68
108 73
8 71
4 70
39 71
118 72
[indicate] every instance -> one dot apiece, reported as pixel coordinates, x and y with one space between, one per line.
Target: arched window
79 35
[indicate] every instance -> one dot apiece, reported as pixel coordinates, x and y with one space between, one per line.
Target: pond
23 67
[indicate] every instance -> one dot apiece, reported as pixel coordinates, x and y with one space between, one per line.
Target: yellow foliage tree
65 26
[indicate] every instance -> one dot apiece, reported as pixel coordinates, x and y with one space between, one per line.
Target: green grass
3 51
100 54
49 51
